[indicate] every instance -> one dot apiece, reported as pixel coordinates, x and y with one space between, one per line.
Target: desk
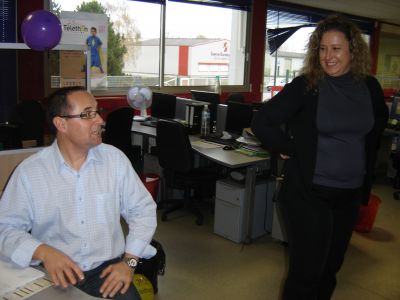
230 159
71 293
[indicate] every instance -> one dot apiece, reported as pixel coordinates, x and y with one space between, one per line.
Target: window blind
232 4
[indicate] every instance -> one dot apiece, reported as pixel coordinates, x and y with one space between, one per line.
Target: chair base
189 206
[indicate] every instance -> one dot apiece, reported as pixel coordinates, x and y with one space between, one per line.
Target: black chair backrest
175 152
30 117
10 137
236 97
118 127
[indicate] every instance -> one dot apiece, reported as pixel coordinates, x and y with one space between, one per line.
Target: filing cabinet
230 215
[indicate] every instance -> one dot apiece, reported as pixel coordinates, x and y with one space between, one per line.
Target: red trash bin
151 181
367 214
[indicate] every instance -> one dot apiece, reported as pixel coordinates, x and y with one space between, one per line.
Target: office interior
200 263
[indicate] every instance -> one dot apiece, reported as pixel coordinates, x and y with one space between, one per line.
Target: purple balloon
41 30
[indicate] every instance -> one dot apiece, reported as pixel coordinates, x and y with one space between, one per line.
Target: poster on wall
90 29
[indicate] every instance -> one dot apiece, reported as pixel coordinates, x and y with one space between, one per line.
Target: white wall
171 60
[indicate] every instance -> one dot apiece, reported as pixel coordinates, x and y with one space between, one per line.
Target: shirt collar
93 155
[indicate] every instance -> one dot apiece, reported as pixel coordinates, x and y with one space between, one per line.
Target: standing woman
335 114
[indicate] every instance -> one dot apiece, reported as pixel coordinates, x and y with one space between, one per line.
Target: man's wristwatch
131 262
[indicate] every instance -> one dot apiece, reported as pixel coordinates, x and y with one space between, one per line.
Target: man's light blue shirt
77 212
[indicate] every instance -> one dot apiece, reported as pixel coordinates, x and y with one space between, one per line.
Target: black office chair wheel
199 221
396 195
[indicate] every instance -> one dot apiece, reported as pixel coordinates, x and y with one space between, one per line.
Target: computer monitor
209 97
238 116
394 112
163 106
180 109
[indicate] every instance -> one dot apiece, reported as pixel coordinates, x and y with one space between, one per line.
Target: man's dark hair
93 28
57 104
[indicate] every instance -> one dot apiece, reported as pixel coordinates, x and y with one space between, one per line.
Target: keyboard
225 142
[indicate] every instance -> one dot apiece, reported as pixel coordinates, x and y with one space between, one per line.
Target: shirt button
80 198
82 222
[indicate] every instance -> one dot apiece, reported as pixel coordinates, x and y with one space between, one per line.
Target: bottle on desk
205 122
217 86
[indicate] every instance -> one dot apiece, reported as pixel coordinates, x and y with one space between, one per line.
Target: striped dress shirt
77 212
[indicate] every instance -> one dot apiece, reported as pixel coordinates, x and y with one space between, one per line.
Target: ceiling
387 11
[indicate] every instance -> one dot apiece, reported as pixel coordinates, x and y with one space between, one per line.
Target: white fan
140 98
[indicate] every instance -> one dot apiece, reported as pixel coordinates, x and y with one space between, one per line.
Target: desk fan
139 98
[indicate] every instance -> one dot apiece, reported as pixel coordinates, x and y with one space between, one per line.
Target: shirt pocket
106 209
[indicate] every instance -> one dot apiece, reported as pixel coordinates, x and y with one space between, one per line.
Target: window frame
299 17
244 5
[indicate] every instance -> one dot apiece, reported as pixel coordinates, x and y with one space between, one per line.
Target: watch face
131 262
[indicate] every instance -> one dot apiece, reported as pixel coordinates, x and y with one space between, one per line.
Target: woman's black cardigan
296 108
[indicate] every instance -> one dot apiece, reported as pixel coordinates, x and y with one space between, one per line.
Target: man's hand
62 270
119 278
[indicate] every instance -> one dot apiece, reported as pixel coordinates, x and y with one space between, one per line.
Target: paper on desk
13 277
248 141
205 145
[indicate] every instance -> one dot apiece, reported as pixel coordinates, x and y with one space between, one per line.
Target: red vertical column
374 46
257 49
30 62
183 67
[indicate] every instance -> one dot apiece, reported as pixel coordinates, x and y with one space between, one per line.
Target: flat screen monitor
209 97
238 116
180 110
163 106
394 112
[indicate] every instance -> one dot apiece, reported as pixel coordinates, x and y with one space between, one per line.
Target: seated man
62 205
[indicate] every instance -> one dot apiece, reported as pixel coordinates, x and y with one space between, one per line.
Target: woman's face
334 53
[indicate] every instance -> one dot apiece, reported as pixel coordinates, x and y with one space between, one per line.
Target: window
288 31
173 43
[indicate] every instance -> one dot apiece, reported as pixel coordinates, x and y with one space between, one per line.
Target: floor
201 265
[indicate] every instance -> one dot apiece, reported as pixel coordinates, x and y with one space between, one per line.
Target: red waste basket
151 181
367 214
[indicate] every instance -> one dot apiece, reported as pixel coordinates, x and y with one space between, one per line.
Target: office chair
118 133
30 117
176 157
9 137
235 97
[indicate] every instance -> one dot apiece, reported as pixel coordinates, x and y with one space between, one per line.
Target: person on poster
95 43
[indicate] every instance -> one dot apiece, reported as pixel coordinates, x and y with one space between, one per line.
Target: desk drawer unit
230 214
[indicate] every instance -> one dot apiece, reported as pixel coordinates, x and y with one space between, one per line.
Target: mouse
228 148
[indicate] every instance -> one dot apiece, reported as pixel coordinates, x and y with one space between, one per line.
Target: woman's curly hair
359 51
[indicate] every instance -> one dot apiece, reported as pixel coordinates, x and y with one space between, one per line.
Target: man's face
93 32
83 133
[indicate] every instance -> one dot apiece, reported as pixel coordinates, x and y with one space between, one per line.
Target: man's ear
60 124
